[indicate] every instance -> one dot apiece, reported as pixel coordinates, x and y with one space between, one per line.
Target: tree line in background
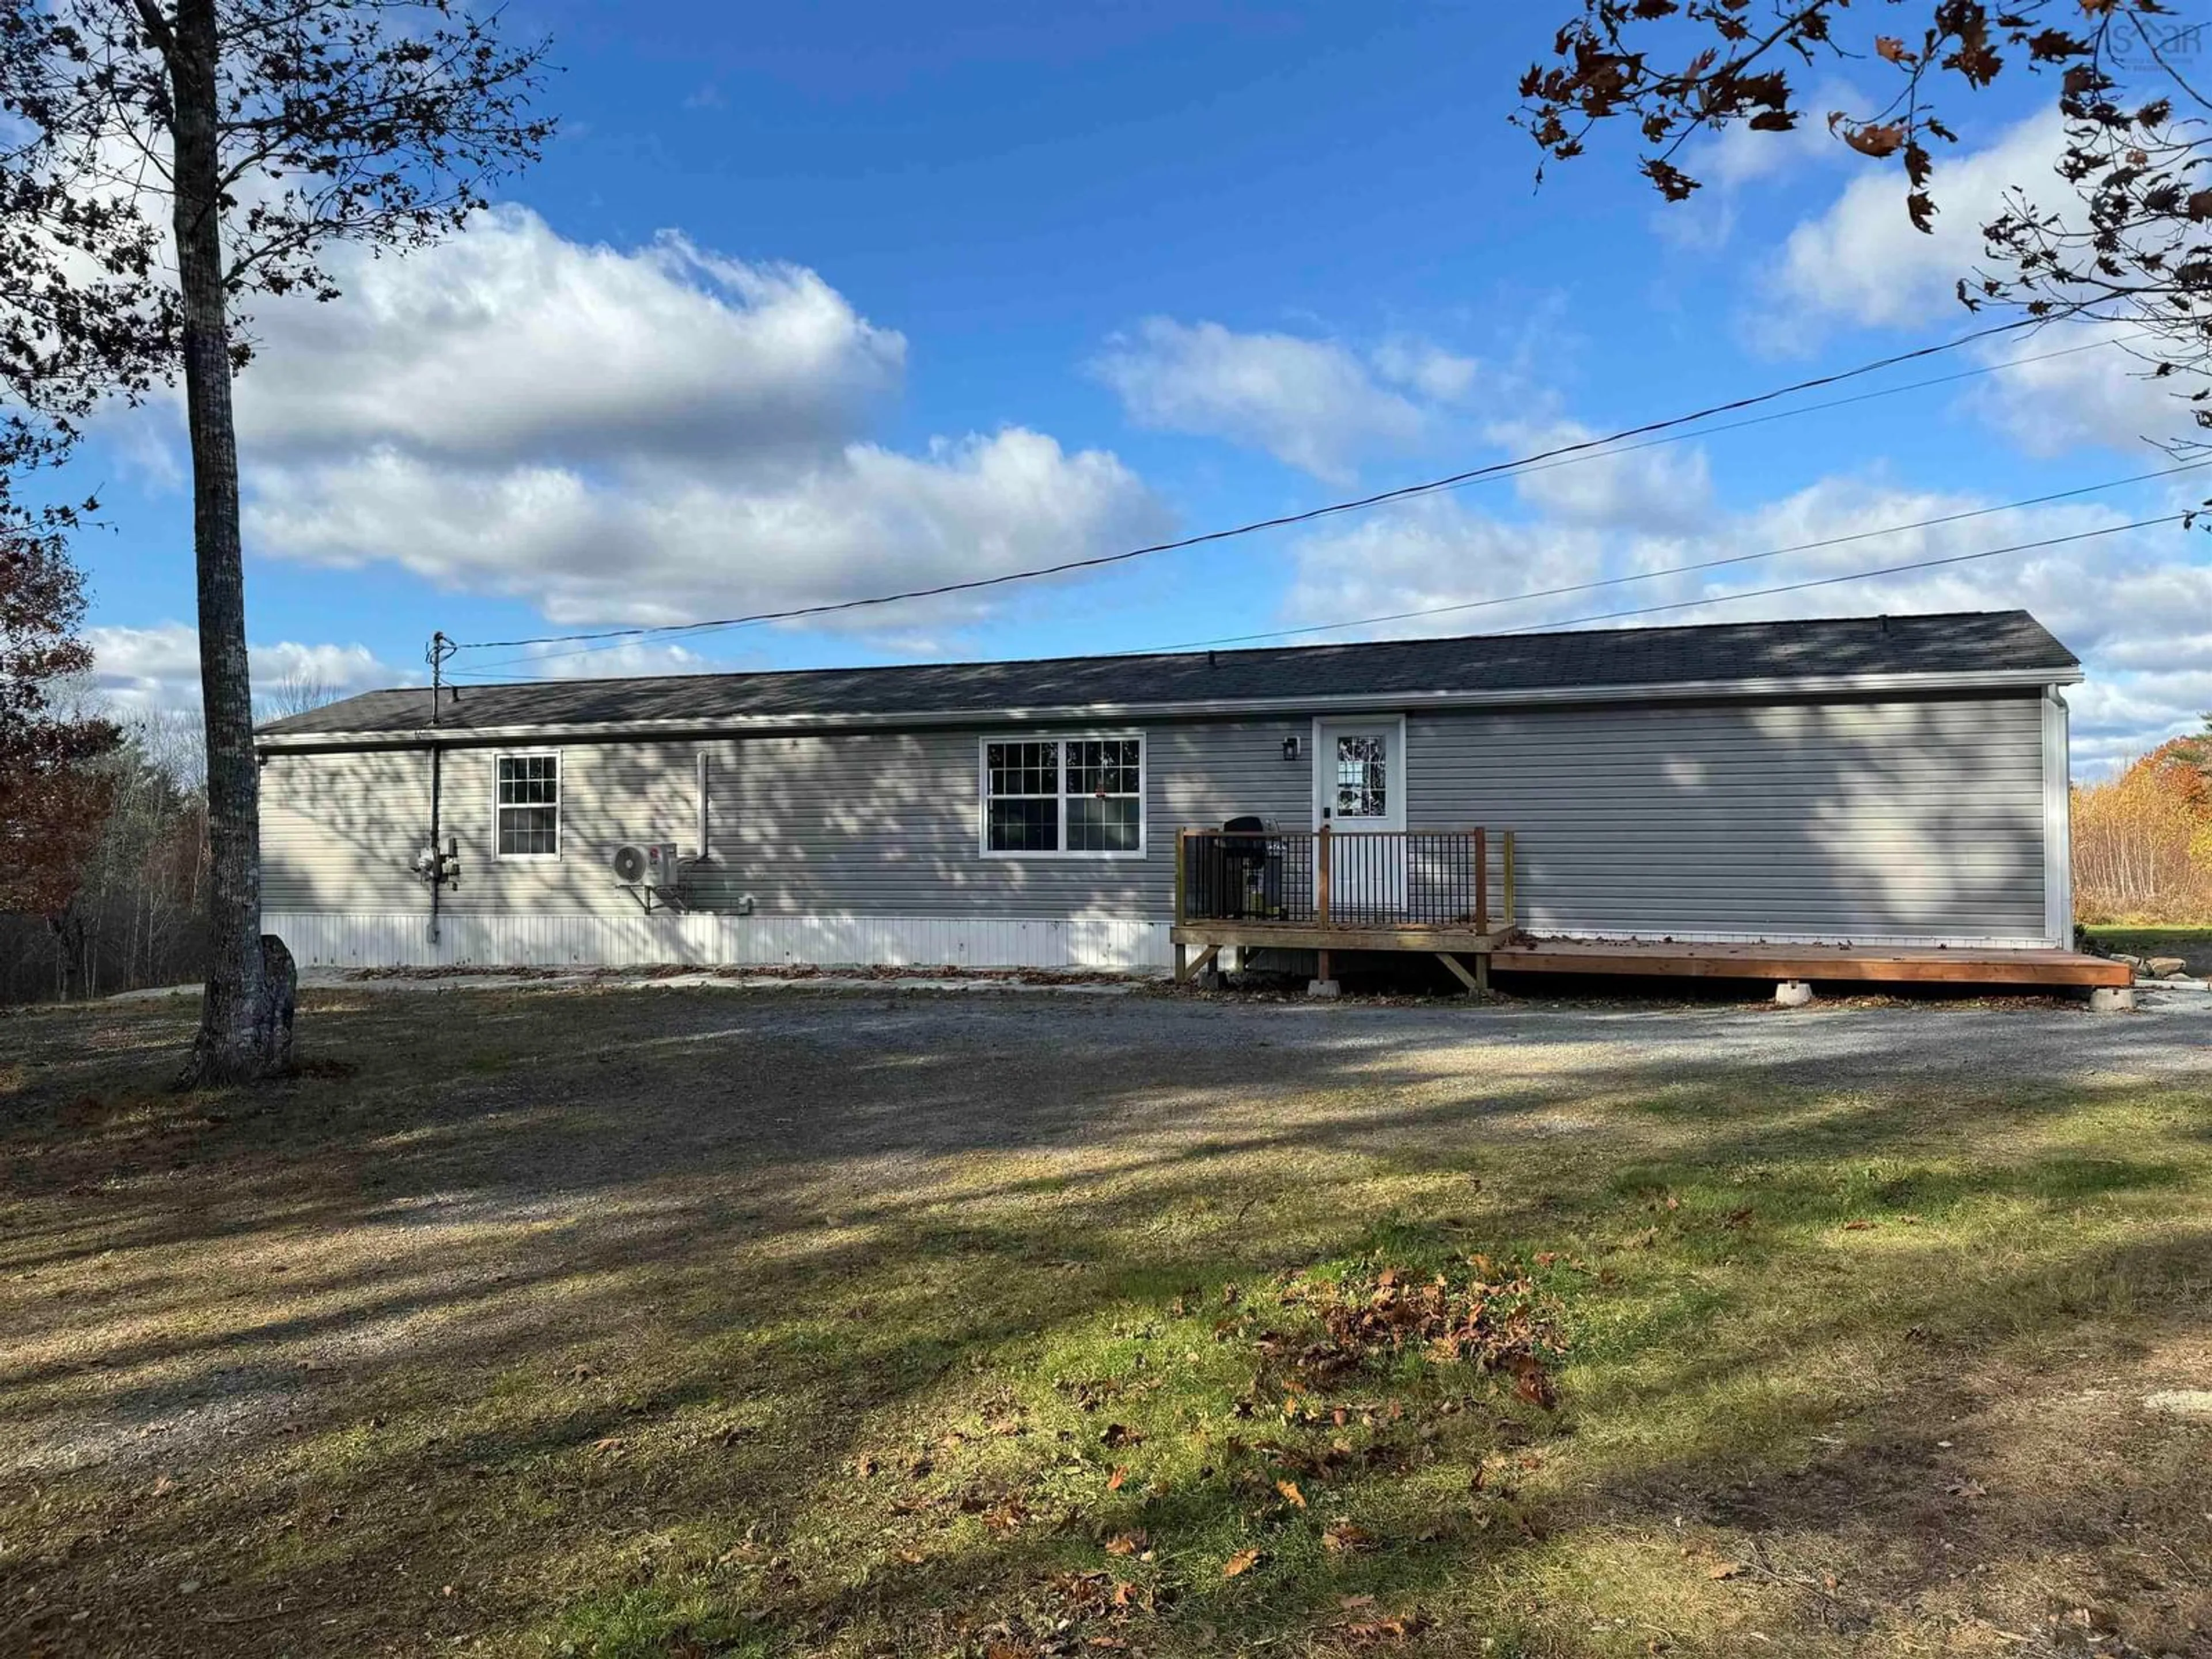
124 885
108 887
2143 840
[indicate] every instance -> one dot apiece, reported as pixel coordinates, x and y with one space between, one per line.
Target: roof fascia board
2007 679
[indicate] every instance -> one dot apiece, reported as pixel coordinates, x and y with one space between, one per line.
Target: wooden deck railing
1351 879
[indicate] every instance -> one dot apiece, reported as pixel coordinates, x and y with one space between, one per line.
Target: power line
1838 403
1673 570
1309 516
1850 576
1687 569
1515 469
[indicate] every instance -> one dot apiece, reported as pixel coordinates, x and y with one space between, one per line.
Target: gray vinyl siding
848 824
1838 820
1913 818
339 830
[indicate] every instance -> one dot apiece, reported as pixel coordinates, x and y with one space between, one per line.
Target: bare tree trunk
242 1035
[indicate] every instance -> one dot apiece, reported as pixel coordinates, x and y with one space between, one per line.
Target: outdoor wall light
1290 749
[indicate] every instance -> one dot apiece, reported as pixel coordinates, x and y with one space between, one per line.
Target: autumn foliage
2142 840
53 797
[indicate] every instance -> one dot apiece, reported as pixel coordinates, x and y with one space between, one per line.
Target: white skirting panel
383 940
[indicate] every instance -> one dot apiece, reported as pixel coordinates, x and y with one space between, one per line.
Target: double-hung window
1074 797
526 806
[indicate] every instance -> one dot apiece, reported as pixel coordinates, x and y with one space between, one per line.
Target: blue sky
809 303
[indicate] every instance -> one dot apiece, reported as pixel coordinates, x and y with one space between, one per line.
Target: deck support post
1481 880
1793 993
1324 983
1182 964
1183 877
1474 987
1505 860
1322 874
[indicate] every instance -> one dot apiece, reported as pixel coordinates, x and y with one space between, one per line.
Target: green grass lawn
684 1325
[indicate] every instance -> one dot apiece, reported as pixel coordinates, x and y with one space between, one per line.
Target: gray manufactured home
1895 780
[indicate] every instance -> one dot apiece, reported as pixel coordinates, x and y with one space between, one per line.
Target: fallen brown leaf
1346 1539
1394 1628
1533 1383
1239 1564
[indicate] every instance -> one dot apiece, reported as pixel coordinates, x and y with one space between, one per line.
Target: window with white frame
526 806
1064 795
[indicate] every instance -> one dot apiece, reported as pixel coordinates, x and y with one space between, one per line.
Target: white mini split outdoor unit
649 864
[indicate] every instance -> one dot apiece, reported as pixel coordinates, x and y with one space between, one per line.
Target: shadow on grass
599 1339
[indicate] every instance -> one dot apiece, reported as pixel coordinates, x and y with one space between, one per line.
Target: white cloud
633 659
2134 604
635 436
150 669
1663 488
2117 719
1424 367
1432 553
2104 395
664 543
508 342
1314 405
1861 262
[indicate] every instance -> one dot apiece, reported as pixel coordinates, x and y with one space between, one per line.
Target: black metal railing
1247 876
1346 879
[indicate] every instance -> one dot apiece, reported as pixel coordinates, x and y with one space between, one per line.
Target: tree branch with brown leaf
2129 243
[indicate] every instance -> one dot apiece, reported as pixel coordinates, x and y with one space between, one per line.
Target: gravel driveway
1572 1044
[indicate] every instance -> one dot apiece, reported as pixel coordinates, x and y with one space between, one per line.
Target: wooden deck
1509 953
1890 964
1431 891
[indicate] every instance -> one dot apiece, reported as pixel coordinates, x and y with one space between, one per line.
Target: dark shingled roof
1965 642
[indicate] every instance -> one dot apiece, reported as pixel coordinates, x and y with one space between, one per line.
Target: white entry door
1359 785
